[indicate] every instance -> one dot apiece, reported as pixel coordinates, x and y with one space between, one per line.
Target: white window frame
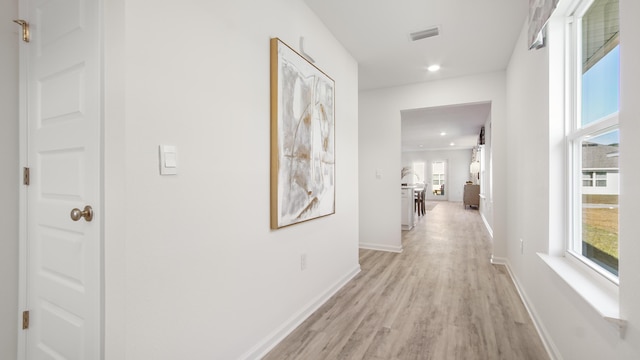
600 182
440 175
575 134
593 178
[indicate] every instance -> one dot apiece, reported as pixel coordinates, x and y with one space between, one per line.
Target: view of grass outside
600 229
598 144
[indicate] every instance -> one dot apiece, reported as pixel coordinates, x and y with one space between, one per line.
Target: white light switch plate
168 160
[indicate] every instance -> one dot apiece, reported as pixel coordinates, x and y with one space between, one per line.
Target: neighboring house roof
600 25
597 156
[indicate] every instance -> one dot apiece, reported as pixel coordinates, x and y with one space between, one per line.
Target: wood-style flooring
440 298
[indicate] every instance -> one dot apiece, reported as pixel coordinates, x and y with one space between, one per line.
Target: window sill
601 297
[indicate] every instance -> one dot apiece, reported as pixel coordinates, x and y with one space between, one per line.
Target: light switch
168 160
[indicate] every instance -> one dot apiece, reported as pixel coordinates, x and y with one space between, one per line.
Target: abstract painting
302 139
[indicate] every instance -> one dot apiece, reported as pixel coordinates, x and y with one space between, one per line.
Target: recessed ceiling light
452 144
434 68
420 145
443 133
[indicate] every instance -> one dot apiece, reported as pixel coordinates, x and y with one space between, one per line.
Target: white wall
535 213
380 151
457 168
9 179
630 203
486 187
192 267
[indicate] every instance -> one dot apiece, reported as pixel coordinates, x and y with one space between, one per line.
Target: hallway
439 299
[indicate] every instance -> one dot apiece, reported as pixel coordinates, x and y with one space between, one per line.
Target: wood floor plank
440 298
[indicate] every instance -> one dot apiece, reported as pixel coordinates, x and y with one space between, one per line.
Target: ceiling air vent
419 35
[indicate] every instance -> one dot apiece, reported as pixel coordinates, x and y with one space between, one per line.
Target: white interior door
62 275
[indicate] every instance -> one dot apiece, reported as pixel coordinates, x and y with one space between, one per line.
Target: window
599 176
438 177
593 136
587 178
438 173
601 179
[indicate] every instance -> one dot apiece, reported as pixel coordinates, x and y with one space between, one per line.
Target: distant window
599 176
594 136
601 179
437 174
587 178
438 177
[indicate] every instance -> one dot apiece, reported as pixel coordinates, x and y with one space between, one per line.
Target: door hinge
25 320
26 176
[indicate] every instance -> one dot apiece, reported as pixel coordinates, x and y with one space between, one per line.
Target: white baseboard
273 339
486 225
552 350
500 261
378 247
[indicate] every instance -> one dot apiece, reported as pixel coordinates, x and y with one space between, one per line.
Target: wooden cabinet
471 195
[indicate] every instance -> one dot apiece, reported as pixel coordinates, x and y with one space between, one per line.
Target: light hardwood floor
439 299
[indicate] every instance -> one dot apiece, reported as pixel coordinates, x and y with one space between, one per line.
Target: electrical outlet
521 247
303 261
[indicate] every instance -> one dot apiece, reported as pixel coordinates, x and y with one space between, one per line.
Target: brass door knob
87 214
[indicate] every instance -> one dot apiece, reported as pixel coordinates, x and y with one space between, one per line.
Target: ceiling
437 128
475 37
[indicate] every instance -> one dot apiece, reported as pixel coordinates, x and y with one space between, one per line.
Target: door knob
87 214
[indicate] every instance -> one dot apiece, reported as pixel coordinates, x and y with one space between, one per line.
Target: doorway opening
447 140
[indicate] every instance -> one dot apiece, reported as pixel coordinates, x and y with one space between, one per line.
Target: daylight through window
594 136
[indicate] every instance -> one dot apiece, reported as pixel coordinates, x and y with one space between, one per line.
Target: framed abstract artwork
302 139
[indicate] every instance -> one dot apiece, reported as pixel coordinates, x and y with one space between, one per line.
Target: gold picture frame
302 138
